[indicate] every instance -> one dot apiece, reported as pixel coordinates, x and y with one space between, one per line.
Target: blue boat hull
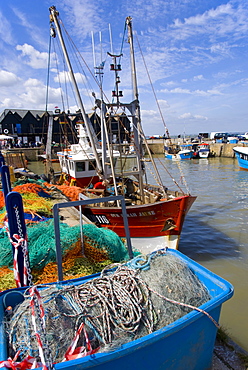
179 156
242 160
187 343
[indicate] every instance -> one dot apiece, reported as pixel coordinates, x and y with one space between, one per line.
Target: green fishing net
42 249
106 240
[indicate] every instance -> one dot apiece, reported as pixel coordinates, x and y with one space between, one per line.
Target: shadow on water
201 241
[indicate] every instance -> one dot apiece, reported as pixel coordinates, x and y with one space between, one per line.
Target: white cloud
149 113
64 77
86 10
11 103
163 103
198 78
192 116
8 78
33 30
5 30
169 83
179 90
33 57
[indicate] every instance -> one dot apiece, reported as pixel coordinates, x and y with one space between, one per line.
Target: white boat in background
178 152
201 150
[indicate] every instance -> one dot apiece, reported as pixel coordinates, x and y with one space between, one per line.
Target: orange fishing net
2 203
7 280
35 201
30 188
74 264
71 192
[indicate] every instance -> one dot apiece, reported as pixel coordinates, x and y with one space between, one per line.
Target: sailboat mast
54 18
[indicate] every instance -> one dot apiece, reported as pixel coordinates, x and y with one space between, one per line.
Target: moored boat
159 211
201 150
179 152
241 153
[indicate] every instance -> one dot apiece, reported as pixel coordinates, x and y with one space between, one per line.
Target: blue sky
196 52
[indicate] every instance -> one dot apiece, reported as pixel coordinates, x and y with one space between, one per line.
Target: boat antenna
110 38
100 39
54 19
93 48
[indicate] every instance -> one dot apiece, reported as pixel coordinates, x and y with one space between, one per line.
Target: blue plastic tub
187 343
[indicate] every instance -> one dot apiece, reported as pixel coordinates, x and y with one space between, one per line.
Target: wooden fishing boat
153 211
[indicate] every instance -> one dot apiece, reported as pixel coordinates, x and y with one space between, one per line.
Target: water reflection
202 242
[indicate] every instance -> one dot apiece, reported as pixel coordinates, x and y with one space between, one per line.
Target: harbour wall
156 146
31 154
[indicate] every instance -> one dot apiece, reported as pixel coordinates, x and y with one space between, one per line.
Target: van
221 136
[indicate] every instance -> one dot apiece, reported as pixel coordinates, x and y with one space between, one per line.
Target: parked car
221 136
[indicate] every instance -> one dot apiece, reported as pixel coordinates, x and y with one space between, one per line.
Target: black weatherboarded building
31 126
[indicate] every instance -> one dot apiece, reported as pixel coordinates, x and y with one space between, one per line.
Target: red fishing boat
153 211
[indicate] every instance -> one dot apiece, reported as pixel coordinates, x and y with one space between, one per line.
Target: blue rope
143 263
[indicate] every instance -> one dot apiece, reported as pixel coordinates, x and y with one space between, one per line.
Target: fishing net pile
37 202
101 247
71 192
38 198
117 307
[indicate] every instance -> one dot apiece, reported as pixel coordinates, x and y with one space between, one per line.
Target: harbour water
215 232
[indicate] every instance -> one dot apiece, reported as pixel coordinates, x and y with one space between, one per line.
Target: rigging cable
149 77
166 129
48 69
56 61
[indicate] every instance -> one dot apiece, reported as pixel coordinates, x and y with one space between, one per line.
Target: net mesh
100 246
115 308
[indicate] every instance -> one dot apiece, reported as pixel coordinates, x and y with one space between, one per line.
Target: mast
139 131
103 111
135 107
54 19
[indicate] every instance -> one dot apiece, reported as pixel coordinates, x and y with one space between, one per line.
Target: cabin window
71 166
92 165
80 166
244 156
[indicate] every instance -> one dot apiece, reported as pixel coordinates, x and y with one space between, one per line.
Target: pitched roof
23 112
